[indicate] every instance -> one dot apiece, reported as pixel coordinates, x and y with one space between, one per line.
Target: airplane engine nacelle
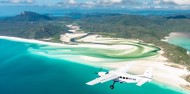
102 73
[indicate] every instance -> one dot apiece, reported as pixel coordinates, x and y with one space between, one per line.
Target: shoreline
163 73
167 74
160 59
175 34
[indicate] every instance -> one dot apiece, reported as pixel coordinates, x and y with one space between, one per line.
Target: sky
137 4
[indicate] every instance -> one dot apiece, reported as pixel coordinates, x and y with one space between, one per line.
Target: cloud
14 1
96 2
90 3
157 7
173 2
18 1
72 2
154 4
110 1
29 1
67 3
157 2
179 2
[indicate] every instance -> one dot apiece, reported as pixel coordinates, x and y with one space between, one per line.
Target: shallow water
23 72
182 40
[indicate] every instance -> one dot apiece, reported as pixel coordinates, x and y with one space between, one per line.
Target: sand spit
175 34
75 32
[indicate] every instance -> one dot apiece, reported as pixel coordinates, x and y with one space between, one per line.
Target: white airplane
120 75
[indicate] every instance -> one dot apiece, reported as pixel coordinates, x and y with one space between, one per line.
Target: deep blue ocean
22 72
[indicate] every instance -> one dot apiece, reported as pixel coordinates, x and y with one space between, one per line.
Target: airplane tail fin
148 73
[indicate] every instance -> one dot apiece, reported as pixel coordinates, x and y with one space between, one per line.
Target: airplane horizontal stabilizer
142 81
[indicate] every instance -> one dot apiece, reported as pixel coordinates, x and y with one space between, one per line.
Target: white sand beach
163 71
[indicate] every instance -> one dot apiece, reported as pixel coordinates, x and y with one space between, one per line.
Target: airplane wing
142 81
124 68
110 75
103 79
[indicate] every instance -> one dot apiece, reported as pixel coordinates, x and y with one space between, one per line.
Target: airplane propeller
101 73
98 71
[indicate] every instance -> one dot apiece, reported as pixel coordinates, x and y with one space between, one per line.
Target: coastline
162 72
174 35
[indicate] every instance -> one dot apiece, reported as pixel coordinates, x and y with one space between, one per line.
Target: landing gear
112 86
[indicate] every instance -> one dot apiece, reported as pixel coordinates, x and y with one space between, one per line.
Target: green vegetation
34 26
55 39
149 29
36 30
188 78
28 16
50 30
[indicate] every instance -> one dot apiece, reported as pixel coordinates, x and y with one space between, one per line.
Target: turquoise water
23 72
180 40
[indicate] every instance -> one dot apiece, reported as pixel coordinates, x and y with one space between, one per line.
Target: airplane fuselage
125 77
120 75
